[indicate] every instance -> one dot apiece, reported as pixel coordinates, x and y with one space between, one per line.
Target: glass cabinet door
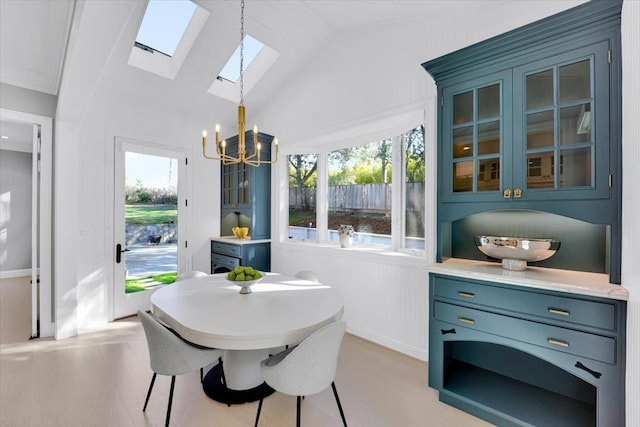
476 121
555 103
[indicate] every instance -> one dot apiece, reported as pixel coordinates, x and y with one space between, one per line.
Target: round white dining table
210 311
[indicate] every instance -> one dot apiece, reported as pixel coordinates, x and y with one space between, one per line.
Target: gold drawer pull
466 294
557 342
559 311
465 320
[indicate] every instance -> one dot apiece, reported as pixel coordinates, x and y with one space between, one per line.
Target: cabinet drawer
562 309
226 249
578 343
224 261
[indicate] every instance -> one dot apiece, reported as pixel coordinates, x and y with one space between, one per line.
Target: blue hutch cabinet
530 120
529 127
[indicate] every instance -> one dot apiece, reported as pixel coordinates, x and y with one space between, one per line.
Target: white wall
100 100
631 198
27 101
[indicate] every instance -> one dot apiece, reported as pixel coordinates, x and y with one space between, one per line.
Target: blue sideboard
520 356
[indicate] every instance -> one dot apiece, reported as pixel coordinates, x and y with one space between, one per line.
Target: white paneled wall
631 198
385 296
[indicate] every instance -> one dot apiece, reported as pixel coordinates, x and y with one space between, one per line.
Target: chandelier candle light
221 146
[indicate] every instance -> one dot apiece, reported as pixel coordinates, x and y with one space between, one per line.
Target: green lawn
142 283
150 214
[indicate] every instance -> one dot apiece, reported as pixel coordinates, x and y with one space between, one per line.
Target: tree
302 168
383 154
414 154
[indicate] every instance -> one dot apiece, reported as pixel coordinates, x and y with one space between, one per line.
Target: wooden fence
360 197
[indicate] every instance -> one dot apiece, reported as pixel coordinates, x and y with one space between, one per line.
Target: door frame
44 307
145 147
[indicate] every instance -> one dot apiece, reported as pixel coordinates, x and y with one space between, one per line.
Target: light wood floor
100 378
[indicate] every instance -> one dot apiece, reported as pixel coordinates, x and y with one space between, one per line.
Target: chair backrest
168 353
190 275
311 366
307 275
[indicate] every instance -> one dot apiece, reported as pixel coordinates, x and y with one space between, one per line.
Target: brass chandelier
221 146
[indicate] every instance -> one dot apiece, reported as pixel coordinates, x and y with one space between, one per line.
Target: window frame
398 198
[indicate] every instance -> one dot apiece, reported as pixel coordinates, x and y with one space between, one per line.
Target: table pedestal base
215 388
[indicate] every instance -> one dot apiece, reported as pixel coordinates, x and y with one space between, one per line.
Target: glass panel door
148 233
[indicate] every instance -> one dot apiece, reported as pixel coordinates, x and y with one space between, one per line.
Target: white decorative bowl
245 285
515 252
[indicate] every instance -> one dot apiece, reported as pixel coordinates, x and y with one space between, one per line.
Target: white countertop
575 282
236 241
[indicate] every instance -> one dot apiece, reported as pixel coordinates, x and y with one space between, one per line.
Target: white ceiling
34 34
33 39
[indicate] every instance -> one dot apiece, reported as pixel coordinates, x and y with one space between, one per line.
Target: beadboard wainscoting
386 297
631 200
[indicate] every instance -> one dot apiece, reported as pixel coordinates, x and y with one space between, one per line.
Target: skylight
252 48
164 23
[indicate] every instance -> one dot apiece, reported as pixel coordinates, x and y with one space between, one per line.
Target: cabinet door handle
559 311
466 320
466 294
591 371
506 193
559 343
448 331
517 193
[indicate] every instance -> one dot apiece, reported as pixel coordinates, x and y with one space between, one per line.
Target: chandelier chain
241 52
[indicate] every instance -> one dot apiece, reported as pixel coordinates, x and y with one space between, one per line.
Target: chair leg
335 393
153 380
173 383
258 414
298 412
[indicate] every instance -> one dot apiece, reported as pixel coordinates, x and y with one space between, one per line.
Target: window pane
303 178
575 81
540 170
463 176
463 142
359 192
414 189
489 174
540 89
575 124
575 168
463 108
489 138
489 102
540 130
164 24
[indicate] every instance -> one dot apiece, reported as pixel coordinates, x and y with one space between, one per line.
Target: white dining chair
306 369
191 275
171 355
307 275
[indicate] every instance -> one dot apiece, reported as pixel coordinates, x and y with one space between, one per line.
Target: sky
154 171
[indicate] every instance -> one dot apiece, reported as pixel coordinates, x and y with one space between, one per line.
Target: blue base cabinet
227 255
522 356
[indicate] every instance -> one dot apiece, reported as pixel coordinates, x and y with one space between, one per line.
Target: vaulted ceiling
76 45
34 38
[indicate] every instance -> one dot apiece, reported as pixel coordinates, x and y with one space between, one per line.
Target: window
252 48
164 24
358 192
303 177
414 190
258 58
166 34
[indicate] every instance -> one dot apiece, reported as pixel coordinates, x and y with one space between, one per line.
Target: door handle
119 252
